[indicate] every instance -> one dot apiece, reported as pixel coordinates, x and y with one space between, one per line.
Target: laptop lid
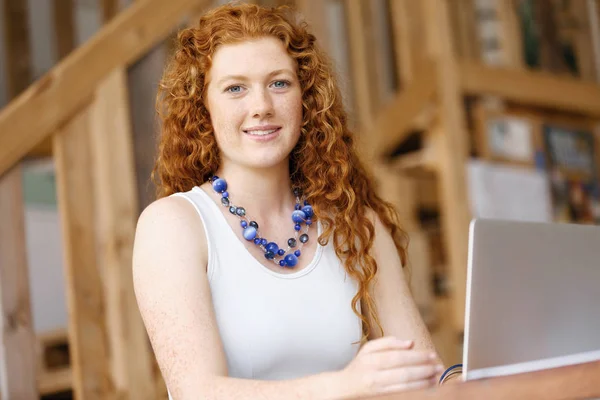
533 297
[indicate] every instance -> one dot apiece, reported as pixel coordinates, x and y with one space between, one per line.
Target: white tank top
277 326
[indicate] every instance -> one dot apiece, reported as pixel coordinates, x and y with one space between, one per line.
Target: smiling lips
262 130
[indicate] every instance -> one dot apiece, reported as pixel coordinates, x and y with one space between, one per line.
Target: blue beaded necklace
302 214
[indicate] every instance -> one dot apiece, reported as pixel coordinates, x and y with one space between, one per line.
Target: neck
263 193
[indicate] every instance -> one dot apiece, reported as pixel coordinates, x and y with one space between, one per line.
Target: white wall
46 276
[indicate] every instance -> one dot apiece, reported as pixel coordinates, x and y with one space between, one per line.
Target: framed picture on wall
572 158
571 150
509 135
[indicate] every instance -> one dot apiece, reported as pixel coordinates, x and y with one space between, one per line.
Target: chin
266 159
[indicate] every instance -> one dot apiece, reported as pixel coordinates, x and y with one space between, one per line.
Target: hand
389 365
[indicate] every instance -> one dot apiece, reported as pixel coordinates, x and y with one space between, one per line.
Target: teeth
261 133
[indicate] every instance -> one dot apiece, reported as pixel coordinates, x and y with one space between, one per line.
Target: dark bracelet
453 370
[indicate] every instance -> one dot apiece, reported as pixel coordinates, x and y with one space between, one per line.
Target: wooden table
580 381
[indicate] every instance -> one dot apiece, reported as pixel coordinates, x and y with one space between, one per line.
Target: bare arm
173 294
397 311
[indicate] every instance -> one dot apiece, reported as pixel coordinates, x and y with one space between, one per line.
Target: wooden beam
452 145
76 200
396 120
16 42
117 213
525 87
408 27
17 338
67 87
64 27
360 65
402 41
315 12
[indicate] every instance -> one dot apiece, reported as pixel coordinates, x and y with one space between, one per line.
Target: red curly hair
324 164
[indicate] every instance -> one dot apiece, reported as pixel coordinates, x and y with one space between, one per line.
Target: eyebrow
243 78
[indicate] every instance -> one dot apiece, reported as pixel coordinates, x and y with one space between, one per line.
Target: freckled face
255 102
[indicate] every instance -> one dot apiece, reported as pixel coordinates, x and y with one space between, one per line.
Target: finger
400 358
387 343
401 387
408 374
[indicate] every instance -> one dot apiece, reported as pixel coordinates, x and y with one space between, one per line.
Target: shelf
535 88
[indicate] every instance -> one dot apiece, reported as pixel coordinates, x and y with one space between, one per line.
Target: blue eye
281 84
234 89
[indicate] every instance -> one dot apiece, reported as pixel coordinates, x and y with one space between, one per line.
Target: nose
262 104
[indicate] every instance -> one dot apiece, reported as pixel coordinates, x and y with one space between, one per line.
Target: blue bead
257 241
291 260
249 233
298 216
244 224
269 255
297 253
219 185
225 194
308 221
308 210
306 203
272 246
263 241
297 206
280 252
214 178
281 263
297 227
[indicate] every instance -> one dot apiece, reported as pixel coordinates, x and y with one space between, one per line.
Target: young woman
269 268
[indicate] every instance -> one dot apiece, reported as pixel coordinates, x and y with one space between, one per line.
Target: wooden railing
82 105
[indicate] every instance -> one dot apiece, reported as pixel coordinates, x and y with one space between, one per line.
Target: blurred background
462 108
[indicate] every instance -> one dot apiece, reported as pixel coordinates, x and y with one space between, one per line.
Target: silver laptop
533 297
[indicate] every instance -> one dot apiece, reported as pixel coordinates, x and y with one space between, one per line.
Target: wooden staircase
81 107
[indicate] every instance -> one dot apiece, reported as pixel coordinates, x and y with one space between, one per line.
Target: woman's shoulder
167 211
170 224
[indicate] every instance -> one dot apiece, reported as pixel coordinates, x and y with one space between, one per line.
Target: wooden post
117 211
453 146
17 338
76 201
363 95
315 13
